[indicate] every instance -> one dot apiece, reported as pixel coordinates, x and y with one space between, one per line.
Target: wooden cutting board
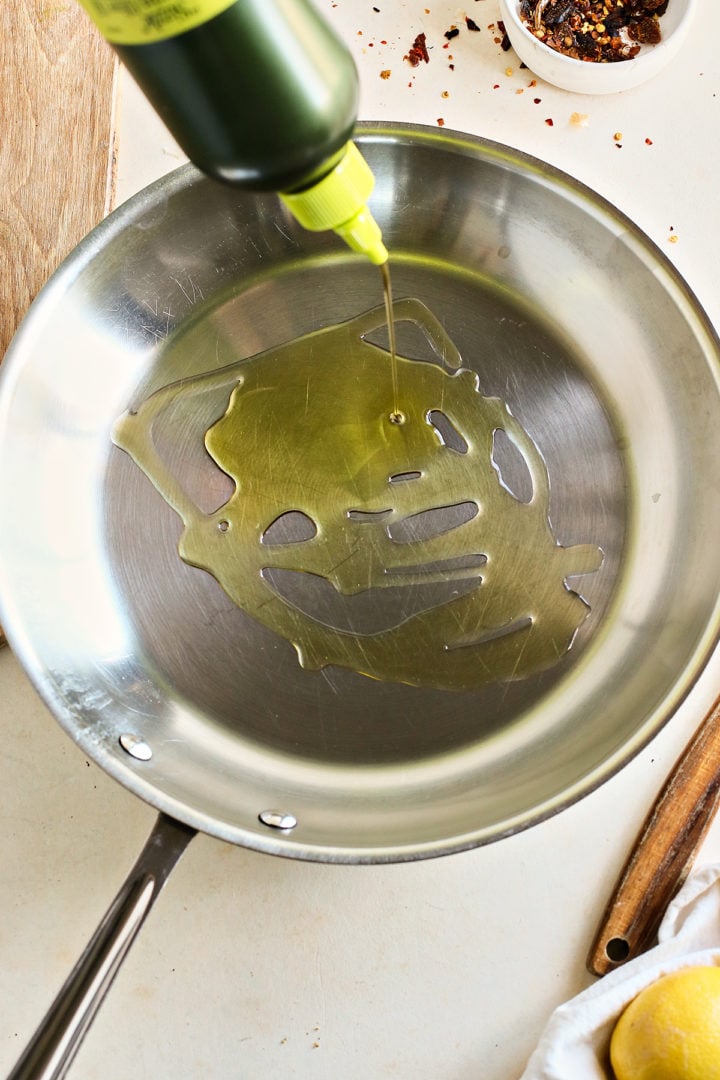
57 145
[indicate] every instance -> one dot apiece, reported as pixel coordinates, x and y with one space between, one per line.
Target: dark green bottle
258 93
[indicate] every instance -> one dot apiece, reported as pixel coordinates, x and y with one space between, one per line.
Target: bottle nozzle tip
339 202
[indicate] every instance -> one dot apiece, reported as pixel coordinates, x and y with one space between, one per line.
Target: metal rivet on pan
135 746
278 819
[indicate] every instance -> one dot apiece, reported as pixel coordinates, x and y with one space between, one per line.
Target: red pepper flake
549 121
471 24
537 100
646 30
648 142
385 73
440 122
452 33
496 86
504 41
418 51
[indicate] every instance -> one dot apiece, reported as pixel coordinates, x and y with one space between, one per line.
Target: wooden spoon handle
663 853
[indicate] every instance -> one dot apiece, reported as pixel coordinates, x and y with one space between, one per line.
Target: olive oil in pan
396 416
394 549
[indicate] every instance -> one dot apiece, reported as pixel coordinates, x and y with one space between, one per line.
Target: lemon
671 1030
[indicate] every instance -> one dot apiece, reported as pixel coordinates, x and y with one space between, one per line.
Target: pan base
568 477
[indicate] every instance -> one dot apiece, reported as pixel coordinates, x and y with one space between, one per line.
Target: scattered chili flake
549 121
596 30
496 86
618 136
537 100
445 93
385 73
376 9
504 41
648 142
452 33
418 51
441 122
470 23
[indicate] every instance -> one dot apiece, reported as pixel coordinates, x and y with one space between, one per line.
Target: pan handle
58 1038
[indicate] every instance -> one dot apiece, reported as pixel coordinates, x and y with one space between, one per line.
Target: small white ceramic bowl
588 76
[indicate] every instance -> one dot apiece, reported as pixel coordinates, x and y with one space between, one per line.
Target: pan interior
562 310
216 656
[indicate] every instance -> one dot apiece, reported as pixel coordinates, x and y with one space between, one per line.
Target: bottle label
140 22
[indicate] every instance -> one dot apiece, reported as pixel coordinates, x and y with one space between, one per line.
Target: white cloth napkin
575 1043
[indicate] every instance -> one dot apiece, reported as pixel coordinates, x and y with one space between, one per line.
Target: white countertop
261 968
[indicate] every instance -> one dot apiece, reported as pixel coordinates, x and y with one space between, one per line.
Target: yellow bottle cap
339 202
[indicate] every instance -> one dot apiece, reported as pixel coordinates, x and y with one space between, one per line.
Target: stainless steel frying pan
562 308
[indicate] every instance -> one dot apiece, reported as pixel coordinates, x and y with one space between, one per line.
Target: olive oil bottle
258 93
